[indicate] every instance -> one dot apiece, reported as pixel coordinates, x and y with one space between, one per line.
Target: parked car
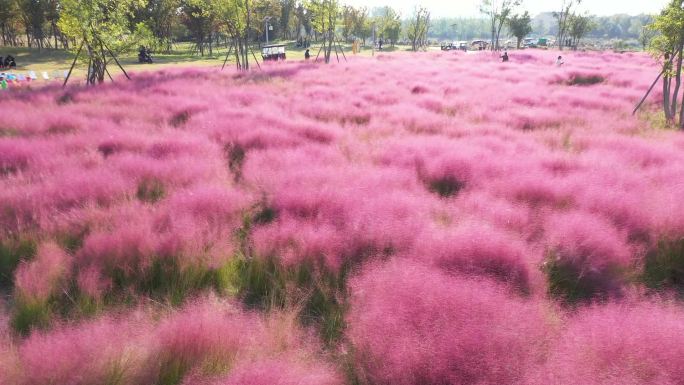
479 45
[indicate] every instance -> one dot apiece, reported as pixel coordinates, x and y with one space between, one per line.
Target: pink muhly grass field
406 219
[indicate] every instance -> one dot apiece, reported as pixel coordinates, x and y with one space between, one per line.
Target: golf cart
449 46
274 52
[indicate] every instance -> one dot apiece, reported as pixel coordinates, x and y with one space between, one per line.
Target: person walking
559 61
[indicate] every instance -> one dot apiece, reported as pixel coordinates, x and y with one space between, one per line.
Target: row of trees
160 23
571 25
208 23
618 27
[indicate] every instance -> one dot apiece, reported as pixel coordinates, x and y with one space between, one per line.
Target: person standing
559 61
307 54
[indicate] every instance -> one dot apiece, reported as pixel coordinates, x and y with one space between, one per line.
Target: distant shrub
585 80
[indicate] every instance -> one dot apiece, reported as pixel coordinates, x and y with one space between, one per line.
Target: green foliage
388 22
265 283
355 22
572 282
418 28
585 80
12 252
446 187
30 314
664 266
579 27
667 28
563 17
172 371
235 154
108 21
151 190
497 13
520 26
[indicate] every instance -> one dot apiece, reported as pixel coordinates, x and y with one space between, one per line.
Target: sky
451 8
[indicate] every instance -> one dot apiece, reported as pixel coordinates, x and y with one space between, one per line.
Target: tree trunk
667 81
681 117
678 82
493 34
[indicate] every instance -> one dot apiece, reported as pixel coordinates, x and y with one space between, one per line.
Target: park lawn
50 60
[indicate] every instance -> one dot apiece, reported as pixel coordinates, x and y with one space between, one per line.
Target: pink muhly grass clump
9 363
206 332
587 257
130 248
440 329
281 372
632 343
108 350
198 225
209 337
474 249
92 283
336 214
42 277
76 188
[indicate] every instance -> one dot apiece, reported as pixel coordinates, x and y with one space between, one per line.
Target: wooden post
78 53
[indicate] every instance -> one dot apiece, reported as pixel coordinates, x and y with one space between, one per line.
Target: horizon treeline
35 24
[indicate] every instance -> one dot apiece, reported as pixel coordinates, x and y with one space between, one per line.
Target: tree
8 22
563 18
160 16
235 18
418 28
520 26
102 27
497 12
33 14
646 35
362 26
199 16
324 20
667 47
389 24
580 26
287 10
